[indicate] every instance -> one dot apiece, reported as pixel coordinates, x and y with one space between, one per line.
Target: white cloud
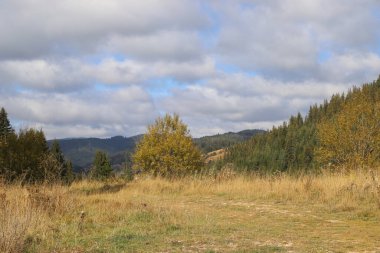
163 45
284 38
91 67
75 74
247 86
129 71
42 74
355 68
120 111
30 28
238 101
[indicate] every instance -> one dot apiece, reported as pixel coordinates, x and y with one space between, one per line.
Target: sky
95 68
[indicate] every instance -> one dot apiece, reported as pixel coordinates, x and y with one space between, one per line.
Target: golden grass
233 213
215 155
26 211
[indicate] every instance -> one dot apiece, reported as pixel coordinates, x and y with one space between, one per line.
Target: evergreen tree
101 167
5 125
8 154
5 130
69 176
27 155
23 156
128 171
65 168
55 150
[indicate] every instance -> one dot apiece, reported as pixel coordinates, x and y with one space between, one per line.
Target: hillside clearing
330 213
215 155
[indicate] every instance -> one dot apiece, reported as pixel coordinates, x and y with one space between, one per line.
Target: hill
343 132
81 151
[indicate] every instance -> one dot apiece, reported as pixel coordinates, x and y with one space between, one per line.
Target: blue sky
103 68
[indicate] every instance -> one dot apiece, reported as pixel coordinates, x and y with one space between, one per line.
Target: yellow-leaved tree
167 149
352 137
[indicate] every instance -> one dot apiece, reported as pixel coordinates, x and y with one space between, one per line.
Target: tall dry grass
30 216
352 190
27 213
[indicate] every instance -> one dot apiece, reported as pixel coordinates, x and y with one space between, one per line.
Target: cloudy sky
80 68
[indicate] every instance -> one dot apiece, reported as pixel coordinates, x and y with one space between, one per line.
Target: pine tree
101 167
69 176
128 171
5 132
65 168
28 155
5 125
24 155
56 151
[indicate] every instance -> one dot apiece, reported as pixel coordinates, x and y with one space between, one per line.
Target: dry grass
27 214
332 212
215 155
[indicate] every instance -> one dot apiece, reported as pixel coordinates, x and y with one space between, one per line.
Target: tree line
26 156
343 132
166 149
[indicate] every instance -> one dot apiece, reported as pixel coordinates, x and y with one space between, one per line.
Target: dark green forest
25 156
343 132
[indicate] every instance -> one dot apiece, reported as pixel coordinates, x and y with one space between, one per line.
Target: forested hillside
81 151
211 143
341 132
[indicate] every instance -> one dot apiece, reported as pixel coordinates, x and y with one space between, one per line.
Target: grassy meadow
226 213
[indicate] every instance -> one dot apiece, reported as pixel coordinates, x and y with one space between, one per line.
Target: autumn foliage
352 137
167 149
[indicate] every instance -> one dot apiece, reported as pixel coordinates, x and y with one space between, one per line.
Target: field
227 213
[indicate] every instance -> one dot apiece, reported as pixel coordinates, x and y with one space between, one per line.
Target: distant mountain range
81 151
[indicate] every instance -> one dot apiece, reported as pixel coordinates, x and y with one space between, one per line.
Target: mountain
81 151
